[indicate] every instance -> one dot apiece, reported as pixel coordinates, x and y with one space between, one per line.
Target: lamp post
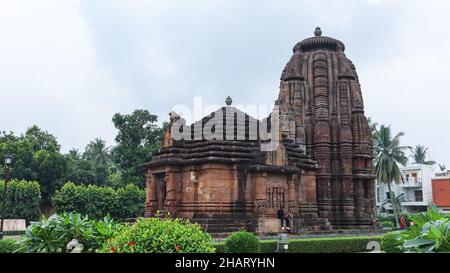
8 162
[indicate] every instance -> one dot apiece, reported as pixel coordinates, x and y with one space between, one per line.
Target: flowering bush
160 236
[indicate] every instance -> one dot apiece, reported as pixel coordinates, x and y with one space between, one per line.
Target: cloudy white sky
69 65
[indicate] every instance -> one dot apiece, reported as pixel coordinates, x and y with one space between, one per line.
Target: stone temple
320 171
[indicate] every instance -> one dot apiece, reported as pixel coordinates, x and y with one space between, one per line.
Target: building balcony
412 183
412 199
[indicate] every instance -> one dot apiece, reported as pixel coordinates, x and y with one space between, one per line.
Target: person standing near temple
402 222
281 216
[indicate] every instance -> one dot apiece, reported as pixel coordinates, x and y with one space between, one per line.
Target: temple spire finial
318 32
229 101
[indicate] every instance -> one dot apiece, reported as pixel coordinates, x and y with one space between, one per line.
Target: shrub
53 234
8 246
330 245
22 200
96 202
242 242
155 235
130 201
429 233
387 224
316 245
392 242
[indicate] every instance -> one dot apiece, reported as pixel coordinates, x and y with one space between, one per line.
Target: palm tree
397 200
97 151
389 154
419 154
98 154
372 125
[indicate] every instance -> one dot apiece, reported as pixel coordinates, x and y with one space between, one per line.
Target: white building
416 189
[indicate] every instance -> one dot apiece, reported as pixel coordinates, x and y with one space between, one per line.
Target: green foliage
419 155
160 236
395 201
389 154
98 155
242 242
79 170
386 218
130 202
316 245
8 246
330 245
429 233
387 224
392 242
22 200
138 138
36 158
53 234
97 202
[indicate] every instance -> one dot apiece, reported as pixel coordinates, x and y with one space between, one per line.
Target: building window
275 196
418 196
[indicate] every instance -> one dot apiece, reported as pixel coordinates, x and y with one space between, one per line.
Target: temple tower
321 97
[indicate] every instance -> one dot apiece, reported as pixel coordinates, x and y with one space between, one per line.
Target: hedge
316 245
242 242
8 246
97 202
22 200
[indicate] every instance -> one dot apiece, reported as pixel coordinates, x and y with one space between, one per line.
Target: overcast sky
69 65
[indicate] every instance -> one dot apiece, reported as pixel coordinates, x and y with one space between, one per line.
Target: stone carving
336 131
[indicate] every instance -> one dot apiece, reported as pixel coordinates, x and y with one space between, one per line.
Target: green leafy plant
242 242
435 237
155 235
96 202
387 224
52 234
8 246
429 232
22 199
392 242
316 245
130 202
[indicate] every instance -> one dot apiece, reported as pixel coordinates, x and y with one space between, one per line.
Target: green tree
37 157
98 155
79 170
419 155
138 138
389 154
50 168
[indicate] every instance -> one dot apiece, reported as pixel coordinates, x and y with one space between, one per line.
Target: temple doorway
161 188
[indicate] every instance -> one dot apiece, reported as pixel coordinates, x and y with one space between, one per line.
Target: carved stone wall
320 96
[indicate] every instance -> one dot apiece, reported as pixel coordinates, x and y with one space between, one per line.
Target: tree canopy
419 155
38 157
139 137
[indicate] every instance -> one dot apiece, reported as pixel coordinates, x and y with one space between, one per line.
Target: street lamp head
8 159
